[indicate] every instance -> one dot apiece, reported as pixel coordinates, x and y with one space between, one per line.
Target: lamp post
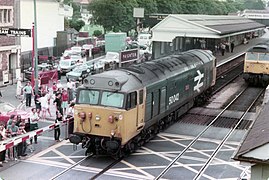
35 50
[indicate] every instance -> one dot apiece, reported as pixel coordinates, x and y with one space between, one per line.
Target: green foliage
97 33
76 24
117 15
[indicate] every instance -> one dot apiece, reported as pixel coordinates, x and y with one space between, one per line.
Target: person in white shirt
34 118
44 100
70 118
69 91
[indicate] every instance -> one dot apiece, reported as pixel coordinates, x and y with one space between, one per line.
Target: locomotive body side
121 109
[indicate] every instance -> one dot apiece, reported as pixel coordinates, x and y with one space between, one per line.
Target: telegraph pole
35 50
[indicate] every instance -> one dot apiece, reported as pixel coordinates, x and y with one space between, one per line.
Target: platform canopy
202 26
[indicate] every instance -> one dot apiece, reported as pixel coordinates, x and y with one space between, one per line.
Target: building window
6 16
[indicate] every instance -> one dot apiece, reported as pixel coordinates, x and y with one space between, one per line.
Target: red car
6 110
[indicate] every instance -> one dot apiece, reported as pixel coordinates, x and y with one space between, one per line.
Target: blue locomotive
117 111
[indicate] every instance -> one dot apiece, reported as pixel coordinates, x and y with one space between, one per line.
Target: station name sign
15 32
129 55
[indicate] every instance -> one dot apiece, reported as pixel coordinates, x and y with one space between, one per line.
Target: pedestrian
2 137
18 89
222 46
13 130
227 47
64 101
232 47
69 91
44 100
54 88
38 103
28 91
11 118
70 118
34 118
21 147
57 129
19 120
58 102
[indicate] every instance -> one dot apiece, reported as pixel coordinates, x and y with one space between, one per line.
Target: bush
97 33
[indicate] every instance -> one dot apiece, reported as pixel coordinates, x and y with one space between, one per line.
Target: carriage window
112 99
141 96
88 97
131 100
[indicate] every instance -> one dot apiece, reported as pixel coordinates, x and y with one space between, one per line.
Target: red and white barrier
8 143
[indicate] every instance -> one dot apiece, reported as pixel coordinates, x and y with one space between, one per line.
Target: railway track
106 168
116 161
237 123
69 168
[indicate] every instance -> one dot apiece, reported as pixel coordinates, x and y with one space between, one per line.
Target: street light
35 50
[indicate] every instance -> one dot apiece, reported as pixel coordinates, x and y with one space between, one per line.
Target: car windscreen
64 63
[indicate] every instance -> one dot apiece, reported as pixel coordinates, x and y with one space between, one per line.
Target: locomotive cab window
112 99
131 100
88 97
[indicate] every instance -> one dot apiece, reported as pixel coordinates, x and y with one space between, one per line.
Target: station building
255 147
181 32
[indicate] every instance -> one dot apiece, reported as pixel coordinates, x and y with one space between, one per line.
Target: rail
169 166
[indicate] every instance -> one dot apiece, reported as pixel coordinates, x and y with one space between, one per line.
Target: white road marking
177 163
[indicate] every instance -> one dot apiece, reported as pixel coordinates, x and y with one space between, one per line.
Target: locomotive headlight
120 117
111 119
97 118
90 115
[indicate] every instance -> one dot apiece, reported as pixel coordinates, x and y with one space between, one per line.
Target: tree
76 24
117 15
97 33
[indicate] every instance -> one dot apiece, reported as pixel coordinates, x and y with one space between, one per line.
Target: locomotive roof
260 47
141 75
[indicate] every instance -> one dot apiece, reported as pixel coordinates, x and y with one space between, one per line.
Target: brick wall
7 2
4 40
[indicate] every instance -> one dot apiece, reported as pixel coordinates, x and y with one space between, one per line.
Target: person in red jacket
64 101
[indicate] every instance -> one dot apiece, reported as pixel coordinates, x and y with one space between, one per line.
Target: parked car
7 109
78 73
110 57
67 65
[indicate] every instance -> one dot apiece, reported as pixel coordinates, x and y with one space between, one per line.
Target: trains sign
15 32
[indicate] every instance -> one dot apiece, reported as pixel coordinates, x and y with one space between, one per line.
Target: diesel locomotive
118 110
256 65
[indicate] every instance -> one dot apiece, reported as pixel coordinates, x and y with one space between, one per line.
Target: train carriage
119 110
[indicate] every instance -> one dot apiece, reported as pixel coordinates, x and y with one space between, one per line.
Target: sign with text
15 32
129 55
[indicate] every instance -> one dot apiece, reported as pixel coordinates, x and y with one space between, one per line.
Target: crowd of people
62 98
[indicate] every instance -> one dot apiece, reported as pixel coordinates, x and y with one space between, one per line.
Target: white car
110 57
67 65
